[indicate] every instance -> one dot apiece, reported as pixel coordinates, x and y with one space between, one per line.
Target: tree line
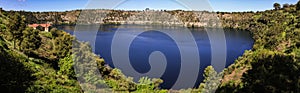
35 61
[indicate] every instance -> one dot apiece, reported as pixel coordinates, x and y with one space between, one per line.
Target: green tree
146 85
286 5
31 41
49 80
2 25
272 72
62 43
211 81
276 6
66 66
298 5
15 76
15 26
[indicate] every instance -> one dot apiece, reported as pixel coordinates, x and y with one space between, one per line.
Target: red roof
36 25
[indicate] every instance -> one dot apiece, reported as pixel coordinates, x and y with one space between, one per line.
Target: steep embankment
274 61
175 17
20 73
273 65
36 61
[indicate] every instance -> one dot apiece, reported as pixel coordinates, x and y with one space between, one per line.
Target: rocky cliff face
56 18
169 18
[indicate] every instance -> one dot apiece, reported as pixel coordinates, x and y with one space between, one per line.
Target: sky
64 5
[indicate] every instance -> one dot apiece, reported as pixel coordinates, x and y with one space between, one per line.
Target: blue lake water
144 44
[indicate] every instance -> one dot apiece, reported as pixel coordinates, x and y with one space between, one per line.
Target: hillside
274 61
170 18
35 61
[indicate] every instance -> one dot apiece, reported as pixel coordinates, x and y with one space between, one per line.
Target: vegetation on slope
34 61
274 61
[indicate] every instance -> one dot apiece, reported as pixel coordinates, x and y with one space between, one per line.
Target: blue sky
63 5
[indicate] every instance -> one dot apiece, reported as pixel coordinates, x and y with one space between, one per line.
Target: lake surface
147 42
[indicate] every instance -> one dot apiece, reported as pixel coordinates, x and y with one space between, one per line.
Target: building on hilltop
45 26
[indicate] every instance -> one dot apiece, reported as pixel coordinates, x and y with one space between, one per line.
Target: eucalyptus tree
15 27
276 6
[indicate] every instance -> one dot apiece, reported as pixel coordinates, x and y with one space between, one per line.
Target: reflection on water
151 40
